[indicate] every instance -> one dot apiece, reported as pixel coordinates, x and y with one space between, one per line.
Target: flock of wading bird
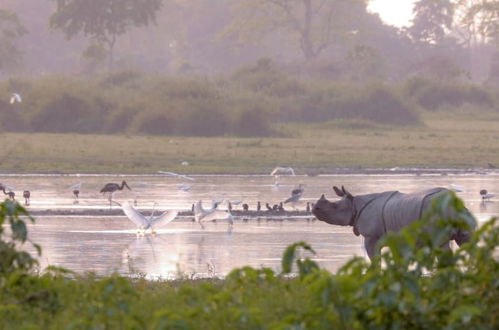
201 214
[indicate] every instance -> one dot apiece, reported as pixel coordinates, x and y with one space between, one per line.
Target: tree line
202 36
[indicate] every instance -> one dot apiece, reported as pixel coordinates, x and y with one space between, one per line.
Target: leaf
290 255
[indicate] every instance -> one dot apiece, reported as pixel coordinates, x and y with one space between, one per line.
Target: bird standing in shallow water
486 195
76 191
26 195
111 188
295 196
12 195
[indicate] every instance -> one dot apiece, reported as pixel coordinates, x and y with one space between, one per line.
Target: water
107 244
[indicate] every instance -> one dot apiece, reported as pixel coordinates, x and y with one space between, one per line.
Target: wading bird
184 187
295 196
76 190
486 195
144 223
111 188
201 215
26 195
181 176
12 195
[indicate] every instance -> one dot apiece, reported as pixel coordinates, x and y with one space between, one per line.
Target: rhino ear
338 191
347 193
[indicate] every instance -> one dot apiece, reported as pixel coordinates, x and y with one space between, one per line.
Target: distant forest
237 67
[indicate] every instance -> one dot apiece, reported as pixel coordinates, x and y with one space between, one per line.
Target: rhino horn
338 191
322 197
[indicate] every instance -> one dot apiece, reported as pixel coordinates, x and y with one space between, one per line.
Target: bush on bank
414 284
245 103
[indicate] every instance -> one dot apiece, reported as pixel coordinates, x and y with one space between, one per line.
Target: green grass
445 140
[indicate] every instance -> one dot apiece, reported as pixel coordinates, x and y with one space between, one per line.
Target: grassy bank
444 140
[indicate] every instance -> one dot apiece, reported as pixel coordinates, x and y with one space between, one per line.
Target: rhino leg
370 245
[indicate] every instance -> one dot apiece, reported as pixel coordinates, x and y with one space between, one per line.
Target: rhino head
335 213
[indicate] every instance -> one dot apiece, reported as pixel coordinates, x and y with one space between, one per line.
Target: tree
103 20
314 24
484 16
432 20
477 26
10 31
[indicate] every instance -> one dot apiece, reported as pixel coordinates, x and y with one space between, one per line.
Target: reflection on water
106 244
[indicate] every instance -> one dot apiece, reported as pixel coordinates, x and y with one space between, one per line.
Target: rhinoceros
373 215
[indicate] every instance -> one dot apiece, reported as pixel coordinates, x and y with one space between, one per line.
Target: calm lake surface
107 244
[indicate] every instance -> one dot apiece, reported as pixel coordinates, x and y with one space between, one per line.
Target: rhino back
403 209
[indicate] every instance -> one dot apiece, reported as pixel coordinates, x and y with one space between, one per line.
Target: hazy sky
394 12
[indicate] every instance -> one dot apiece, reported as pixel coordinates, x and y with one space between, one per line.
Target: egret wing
135 216
293 198
163 219
216 215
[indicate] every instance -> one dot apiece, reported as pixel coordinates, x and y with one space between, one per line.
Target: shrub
12 257
379 104
154 123
69 113
204 119
252 122
121 79
10 118
433 95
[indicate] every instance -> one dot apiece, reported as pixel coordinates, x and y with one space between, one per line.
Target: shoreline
299 172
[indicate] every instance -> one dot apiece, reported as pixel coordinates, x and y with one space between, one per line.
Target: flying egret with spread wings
283 170
15 97
144 223
181 176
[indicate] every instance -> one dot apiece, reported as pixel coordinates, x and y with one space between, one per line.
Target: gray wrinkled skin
373 215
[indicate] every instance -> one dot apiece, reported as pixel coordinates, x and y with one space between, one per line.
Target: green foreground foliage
413 285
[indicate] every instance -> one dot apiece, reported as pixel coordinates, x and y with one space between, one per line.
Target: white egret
183 187
144 223
177 175
15 97
215 203
202 215
457 188
283 170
